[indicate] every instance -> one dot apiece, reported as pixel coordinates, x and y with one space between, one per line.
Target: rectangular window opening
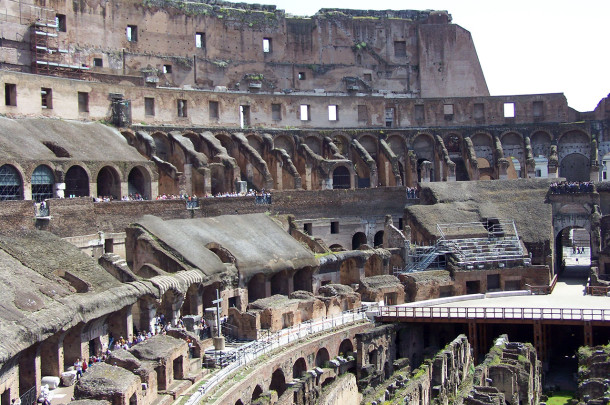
167 69
363 114
10 94
213 110
305 114
368 77
182 110
420 113
301 75
46 98
244 116
479 111
276 112
132 33
400 49
389 117
98 62
308 228
149 106
200 40
60 21
267 45
448 111
333 113
537 109
509 110
83 102
334 227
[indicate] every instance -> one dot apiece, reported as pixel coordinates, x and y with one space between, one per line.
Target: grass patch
560 398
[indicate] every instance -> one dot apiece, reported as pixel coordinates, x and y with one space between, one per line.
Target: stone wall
593 372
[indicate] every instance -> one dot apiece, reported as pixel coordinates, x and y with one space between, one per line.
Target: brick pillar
120 323
30 372
52 355
73 346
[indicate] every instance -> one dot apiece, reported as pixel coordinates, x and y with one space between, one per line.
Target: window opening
267 45
305 112
42 183
149 106
213 109
509 110
46 98
200 40
276 112
83 102
333 113
10 183
132 33
10 94
182 111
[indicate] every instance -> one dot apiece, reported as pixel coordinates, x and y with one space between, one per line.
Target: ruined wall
343 391
593 371
407 111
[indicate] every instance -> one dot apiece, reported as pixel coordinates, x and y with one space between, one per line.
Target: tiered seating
479 253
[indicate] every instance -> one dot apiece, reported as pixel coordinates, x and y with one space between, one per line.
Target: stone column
451 172
120 323
278 176
425 169
503 165
73 345
148 313
30 372
60 189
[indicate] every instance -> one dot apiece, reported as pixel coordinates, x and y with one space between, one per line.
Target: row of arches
280 377
46 183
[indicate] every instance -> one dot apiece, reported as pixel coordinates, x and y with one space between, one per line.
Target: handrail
598 290
543 289
563 314
250 351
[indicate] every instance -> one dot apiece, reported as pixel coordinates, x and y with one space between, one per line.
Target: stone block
51 381
68 378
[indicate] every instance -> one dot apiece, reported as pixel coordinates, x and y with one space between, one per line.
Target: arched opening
299 368
346 348
485 169
279 283
77 182
302 280
575 167
322 357
378 239
336 248
513 147
278 382
162 146
138 184
256 393
349 273
358 240
341 178
283 142
386 370
171 303
108 183
238 402
314 144
573 252
256 287
541 144
11 187
373 266
43 181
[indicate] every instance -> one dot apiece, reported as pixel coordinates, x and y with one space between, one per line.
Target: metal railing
542 289
29 397
555 314
247 353
598 290
42 211
262 199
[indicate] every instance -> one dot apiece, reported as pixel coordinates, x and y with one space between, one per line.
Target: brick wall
81 216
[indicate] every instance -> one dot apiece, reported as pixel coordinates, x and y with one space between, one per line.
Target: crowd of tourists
412 192
572 187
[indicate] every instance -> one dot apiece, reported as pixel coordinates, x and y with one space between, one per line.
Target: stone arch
171 302
370 144
138 182
223 254
278 382
373 266
483 146
322 357
299 368
541 143
302 279
349 273
342 143
336 247
190 306
43 183
575 167
280 283
225 141
397 144
77 182
358 240
342 178
239 402
453 142
571 142
109 182
256 142
144 312
11 183
286 143
257 287
378 239
345 347
162 145
563 236
257 392
423 146
514 147
314 142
